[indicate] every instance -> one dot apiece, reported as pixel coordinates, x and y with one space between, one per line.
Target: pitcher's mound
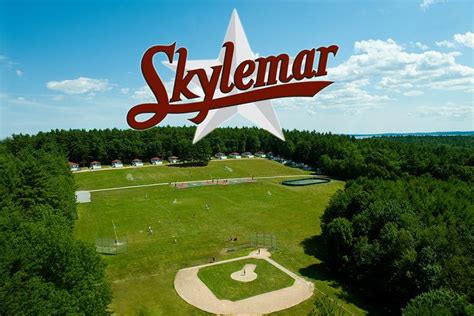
246 274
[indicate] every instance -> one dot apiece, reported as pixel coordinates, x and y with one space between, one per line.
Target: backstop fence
111 246
263 240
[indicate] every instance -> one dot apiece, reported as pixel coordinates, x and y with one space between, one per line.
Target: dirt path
191 289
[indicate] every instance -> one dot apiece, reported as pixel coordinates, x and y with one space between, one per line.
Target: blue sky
402 66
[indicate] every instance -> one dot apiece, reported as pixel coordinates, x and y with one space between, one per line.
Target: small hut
156 161
235 155
220 156
95 165
137 162
74 166
173 159
117 163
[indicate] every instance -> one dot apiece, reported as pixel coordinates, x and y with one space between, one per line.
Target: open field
186 233
170 173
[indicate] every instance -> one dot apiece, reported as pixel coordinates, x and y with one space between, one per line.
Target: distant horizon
419 133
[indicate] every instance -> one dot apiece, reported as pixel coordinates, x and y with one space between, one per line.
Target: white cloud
466 39
413 93
398 70
425 4
448 110
144 94
16 100
347 97
380 70
19 73
81 85
124 90
421 46
459 40
445 43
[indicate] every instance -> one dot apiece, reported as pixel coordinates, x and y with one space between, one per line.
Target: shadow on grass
314 246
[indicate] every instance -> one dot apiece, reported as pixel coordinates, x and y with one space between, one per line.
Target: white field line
193 181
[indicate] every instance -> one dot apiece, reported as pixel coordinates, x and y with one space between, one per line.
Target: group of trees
395 239
339 156
43 269
402 230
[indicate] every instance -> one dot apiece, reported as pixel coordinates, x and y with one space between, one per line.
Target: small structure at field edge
172 159
220 156
83 196
74 166
117 163
156 161
95 165
137 162
235 155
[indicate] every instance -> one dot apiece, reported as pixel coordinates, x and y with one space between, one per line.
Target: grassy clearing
269 278
143 278
169 173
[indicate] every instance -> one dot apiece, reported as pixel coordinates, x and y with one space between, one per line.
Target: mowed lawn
109 178
188 234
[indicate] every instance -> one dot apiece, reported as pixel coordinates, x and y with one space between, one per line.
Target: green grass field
269 278
108 178
142 279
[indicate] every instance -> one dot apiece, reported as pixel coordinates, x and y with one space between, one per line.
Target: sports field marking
191 289
193 181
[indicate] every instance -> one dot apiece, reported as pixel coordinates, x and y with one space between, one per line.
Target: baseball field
167 228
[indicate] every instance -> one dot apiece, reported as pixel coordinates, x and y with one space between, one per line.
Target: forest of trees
395 239
401 233
339 156
43 269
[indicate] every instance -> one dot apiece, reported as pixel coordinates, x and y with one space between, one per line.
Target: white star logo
260 113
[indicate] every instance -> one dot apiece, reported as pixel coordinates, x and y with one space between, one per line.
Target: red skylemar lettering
272 77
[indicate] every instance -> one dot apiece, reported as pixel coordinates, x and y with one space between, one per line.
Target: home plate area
194 288
194 184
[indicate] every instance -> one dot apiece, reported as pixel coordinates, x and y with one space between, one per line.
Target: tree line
393 240
339 156
43 269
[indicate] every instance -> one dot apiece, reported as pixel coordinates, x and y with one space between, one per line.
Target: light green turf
218 280
169 173
142 279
